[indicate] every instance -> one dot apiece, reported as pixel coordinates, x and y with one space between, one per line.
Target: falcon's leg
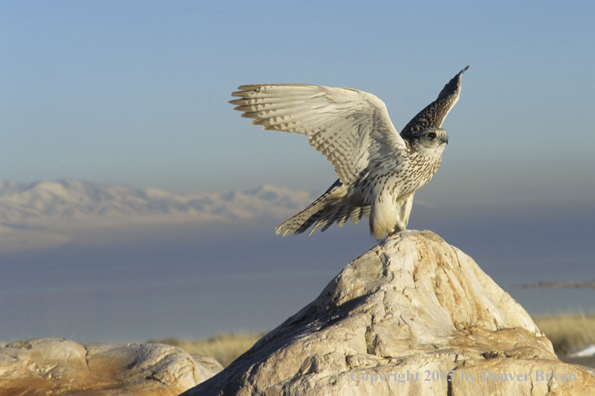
404 205
383 214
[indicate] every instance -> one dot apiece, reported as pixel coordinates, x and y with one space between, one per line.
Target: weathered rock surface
403 319
55 366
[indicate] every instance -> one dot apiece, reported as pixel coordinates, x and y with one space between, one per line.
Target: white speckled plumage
379 170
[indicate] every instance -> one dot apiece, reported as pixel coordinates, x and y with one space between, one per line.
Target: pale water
192 284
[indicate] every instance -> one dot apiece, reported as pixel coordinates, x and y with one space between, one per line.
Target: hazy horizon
146 274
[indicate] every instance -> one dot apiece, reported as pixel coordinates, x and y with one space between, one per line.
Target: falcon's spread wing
350 128
435 113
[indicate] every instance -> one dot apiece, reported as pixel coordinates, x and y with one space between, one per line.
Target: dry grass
568 333
225 348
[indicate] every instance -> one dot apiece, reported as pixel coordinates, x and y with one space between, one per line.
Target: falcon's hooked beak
444 138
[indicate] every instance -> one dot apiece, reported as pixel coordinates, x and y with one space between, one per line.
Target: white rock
62 367
586 352
399 320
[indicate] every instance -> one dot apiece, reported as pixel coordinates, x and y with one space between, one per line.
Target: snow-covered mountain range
68 199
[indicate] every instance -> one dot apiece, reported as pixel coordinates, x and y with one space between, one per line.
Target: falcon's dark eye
432 135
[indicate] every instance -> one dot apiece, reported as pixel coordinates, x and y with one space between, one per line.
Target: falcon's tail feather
324 212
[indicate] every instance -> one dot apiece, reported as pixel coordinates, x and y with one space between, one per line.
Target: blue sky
136 92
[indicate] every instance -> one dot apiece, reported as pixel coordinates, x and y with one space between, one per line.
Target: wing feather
349 127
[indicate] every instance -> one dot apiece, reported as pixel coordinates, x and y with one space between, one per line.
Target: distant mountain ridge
70 199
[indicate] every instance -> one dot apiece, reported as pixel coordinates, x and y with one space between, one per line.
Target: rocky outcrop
413 315
62 367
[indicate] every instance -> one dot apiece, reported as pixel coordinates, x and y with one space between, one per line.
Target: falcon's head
430 140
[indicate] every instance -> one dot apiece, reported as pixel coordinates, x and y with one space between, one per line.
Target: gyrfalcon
379 170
